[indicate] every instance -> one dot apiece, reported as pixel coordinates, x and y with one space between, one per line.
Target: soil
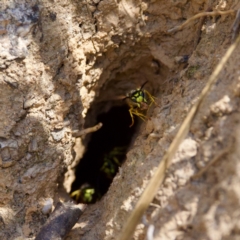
62 63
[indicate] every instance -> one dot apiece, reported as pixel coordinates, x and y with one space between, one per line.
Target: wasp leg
133 111
152 99
141 115
131 114
76 194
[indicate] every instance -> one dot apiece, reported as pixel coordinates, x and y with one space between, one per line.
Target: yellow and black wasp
139 101
84 195
111 162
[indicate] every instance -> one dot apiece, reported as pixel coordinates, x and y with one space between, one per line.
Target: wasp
111 162
84 195
139 101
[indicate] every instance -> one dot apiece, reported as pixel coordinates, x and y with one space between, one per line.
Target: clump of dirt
63 65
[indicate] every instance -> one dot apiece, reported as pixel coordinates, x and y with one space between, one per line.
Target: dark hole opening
105 152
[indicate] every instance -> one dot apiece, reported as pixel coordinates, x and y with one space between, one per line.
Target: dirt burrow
58 60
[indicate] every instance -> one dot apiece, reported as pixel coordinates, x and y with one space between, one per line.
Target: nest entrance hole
107 146
114 139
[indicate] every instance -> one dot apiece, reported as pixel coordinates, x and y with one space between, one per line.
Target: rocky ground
62 63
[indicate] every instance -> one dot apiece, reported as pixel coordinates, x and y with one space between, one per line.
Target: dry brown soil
58 59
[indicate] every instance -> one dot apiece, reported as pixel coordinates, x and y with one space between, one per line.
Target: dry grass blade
199 15
236 26
159 175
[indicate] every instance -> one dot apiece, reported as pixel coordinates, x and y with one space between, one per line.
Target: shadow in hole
115 133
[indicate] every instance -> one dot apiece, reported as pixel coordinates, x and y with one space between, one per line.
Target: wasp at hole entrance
139 101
